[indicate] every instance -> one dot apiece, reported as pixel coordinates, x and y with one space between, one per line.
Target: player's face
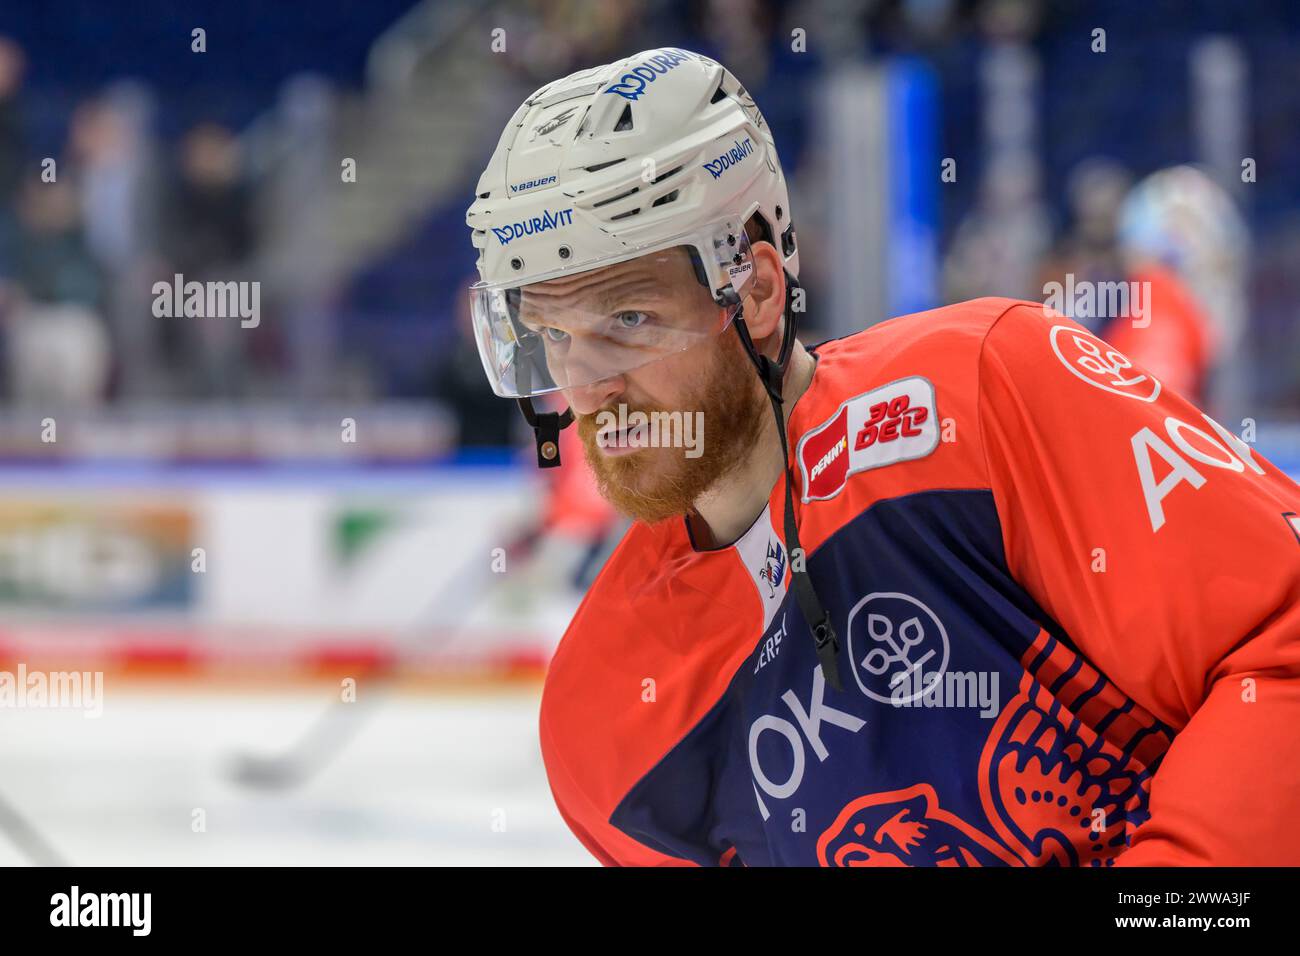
594 326
715 389
706 398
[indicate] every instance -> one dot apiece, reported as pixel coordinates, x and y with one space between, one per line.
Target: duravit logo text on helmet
529 227
730 158
632 84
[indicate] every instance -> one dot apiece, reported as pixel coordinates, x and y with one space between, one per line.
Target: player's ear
765 297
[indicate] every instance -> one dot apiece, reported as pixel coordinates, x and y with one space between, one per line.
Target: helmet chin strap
546 430
546 425
773 378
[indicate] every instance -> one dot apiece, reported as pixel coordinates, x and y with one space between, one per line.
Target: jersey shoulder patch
878 393
895 422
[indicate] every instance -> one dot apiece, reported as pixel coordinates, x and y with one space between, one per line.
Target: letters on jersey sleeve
1169 550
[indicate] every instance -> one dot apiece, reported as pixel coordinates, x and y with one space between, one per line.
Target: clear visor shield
583 327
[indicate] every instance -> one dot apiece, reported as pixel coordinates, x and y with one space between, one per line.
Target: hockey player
967 588
1183 241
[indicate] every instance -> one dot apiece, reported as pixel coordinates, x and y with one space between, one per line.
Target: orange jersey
1067 609
1174 340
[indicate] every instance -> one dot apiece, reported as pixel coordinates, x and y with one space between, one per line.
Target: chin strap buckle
546 429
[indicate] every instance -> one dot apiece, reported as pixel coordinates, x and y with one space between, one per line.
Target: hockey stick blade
24 836
327 736
307 756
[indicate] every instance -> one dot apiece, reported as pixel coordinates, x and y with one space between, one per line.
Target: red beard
653 484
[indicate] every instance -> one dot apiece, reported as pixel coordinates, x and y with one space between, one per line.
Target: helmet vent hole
624 215
516 263
718 94
624 121
600 166
622 195
671 172
666 198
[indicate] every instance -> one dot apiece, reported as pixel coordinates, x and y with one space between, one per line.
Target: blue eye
630 320
555 335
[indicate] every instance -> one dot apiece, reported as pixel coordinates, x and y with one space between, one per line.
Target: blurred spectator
58 354
53 261
108 145
740 32
208 221
207 235
112 162
997 248
57 348
13 152
561 36
1089 250
254 195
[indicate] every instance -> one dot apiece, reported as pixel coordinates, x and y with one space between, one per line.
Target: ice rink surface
430 778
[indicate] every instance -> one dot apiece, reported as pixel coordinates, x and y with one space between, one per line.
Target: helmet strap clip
546 430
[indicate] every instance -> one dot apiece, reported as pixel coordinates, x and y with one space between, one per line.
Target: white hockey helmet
634 160
661 150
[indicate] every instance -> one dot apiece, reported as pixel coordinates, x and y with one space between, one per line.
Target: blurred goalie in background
1176 247
1181 236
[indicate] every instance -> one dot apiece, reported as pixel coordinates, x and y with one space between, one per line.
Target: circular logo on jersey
897 647
1100 365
